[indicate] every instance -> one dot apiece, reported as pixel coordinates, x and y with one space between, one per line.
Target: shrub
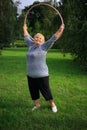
20 43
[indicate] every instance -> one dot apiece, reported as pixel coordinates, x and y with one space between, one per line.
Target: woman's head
39 39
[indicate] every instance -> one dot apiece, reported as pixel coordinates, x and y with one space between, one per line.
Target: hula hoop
46 4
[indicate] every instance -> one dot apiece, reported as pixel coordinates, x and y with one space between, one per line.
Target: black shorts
37 85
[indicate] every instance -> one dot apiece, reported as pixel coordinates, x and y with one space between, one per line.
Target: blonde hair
39 34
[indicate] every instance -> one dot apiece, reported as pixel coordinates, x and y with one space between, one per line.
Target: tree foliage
74 39
44 20
8 13
41 20
76 28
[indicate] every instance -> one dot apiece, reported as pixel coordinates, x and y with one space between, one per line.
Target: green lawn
68 84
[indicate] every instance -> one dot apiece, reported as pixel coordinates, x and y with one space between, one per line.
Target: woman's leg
46 92
52 104
37 103
45 88
34 90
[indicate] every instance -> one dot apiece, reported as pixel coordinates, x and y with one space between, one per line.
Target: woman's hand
25 30
60 31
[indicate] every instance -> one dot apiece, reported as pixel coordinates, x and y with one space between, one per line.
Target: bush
20 43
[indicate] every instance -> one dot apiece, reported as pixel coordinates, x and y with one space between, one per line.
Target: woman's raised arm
59 33
25 30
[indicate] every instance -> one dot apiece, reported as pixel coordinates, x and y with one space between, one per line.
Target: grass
69 88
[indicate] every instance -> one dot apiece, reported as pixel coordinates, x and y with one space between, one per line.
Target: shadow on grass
64 66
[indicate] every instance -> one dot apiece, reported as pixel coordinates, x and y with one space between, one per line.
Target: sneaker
54 109
34 108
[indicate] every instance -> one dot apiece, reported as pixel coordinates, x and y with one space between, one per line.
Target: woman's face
38 39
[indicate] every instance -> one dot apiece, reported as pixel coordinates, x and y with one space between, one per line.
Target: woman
37 69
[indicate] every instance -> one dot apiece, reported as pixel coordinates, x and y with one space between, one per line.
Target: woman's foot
53 106
35 107
54 109
36 104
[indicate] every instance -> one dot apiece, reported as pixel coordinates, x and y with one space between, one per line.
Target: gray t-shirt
36 57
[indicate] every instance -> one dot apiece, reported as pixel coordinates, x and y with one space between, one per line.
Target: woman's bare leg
52 104
37 103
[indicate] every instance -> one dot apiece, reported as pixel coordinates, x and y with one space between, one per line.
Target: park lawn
69 88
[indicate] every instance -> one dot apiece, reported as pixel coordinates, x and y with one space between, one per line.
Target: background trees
8 17
74 39
43 19
76 28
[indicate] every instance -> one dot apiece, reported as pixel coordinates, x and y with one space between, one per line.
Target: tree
76 24
74 39
8 15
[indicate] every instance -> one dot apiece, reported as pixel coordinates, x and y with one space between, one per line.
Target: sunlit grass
69 88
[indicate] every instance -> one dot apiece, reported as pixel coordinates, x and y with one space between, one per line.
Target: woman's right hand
59 33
